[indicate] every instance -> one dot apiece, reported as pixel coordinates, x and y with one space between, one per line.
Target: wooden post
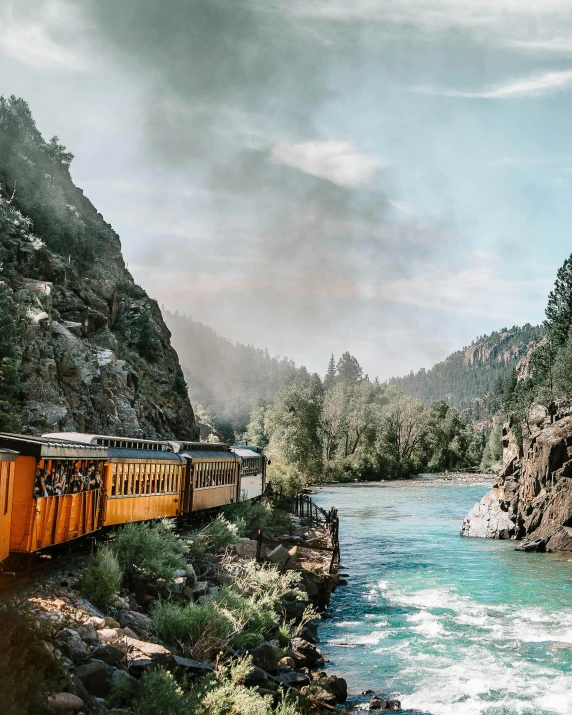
259 547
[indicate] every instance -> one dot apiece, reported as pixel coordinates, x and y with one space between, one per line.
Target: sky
388 177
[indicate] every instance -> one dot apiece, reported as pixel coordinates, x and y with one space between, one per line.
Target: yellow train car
143 479
7 469
56 491
213 475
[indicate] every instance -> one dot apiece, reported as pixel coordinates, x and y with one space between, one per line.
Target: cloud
337 161
30 35
532 86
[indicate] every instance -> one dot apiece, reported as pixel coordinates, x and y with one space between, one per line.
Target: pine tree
348 370
330 378
559 309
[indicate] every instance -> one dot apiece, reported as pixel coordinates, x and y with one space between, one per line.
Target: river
450 626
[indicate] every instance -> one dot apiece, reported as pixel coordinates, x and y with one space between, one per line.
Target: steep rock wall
94 353
532 497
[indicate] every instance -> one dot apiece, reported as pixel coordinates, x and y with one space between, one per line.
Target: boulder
256 678
195 667
96 678
287 662
66 703
108 622
88 633
377 703
317 694
278 556
487 520
538 545
201 589
97 621
76 649
305 653
294 610
111 654
338 687
293 679
139 622
246 548
264 657
158 654
125 684
310 635
107 635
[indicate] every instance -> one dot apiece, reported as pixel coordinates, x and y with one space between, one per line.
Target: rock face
95 354
532 497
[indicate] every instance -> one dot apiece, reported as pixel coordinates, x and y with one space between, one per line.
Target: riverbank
107 654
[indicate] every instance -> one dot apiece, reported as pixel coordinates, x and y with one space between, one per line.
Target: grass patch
250 516
200 631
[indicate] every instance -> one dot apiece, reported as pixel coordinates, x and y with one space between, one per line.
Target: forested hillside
82 347
472 379
227 380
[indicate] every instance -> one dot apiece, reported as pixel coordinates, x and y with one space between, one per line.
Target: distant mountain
228 380
469 378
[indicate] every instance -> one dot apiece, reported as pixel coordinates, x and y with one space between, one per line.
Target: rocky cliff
90 347
532 496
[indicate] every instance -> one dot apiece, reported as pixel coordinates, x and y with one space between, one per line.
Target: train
59 487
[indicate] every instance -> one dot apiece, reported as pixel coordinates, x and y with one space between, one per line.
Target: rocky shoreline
105 653
531 500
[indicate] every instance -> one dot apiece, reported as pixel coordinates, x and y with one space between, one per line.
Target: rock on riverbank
532 496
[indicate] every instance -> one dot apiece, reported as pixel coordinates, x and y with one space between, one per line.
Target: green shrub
225 694
219 534
268 585
160 694
201 631
252 618
149 553
250 516
101 580
28 670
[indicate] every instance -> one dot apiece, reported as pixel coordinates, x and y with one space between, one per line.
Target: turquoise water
450 626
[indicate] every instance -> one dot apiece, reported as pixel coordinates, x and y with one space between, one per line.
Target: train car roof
199 446
245 452
208 454
50 447
118 454
8 455
114 441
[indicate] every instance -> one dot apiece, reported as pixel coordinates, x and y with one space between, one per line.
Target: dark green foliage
330 377
348 370
250 516
101 580
9 363
179 384
559 308
148 344
492 453
160 694
28 670
149 553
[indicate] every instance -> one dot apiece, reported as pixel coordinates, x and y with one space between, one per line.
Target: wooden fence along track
303 506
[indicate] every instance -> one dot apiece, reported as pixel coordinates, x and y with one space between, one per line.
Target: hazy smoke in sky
237 99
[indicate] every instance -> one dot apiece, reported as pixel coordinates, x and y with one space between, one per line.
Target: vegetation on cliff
83 348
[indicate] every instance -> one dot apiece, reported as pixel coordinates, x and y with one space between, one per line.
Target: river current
450 626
